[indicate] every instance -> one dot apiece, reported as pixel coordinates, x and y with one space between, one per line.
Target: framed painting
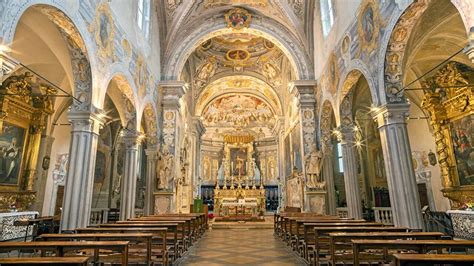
238 161
462 134
296 147
12 142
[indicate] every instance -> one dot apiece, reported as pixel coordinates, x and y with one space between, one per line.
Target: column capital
152 152
304 91
391 114
86 121
172 91
132 138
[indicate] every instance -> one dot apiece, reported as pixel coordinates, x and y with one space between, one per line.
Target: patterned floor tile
240 247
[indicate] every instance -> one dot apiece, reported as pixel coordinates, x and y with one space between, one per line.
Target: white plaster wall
62 138
344 15
421 139
125 15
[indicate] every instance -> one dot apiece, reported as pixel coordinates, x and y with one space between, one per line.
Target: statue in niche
313 168
271 169
204 72
116 189
164 169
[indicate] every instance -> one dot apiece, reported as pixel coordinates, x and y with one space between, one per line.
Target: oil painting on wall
11 150
238 161
296 147
462 134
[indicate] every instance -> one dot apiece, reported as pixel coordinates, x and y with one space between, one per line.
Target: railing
383 215
342 212
99 216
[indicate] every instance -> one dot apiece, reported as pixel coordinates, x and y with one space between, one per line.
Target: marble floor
240 247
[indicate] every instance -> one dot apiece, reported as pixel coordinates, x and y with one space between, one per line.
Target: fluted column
151 161
196 134
328 176
80 175
128 188
351 180
401 180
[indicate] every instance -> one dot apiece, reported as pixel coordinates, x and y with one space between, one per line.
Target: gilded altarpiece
449 99
24 107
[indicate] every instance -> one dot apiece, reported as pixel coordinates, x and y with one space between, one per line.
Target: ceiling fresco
238 111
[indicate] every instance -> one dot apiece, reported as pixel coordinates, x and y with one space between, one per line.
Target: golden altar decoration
449 99
25 105
240 190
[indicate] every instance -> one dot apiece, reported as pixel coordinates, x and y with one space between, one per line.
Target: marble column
128 187
151 161
196 133
42 175
78 189
401 179
327 169
351 180
171 91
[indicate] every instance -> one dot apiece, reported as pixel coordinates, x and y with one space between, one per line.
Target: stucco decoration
169 128
81 68
349 82
218 3
326 123
150 124
396 50
141 76
103 29
238 18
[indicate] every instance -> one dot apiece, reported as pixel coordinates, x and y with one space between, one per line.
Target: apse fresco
462 134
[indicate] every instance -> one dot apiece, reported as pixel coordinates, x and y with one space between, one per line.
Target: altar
239 189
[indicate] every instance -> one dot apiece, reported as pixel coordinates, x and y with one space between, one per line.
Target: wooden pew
145 239
321 237
308 243
67 261
193 228
156 231
341 243
420 246
432 259
176 237
59 247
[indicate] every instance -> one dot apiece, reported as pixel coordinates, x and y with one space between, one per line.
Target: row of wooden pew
325 239
158 240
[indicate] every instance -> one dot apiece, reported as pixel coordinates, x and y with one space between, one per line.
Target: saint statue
313 168
164 169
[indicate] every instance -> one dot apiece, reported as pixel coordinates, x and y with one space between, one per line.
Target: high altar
241 190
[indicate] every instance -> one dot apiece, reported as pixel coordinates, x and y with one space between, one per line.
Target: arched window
143 16
327 16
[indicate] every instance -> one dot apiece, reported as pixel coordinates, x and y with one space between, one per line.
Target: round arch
75 29
351 76
259 89
187 42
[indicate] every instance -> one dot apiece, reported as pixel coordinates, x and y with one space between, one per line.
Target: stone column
77 201
401 179
351 180
327 170
196 133
128 187
171 91
40 185
151 161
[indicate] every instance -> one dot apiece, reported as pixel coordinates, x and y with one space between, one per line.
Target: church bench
341 243
419 246
67 261
60 247
138 242
305 235
173 238
185 228
287 224
191 227
198 222
431 259
176 237
320 247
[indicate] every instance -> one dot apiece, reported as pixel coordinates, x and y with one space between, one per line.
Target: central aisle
240 247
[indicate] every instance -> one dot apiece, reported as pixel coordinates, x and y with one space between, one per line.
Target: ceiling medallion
238 18
237 55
